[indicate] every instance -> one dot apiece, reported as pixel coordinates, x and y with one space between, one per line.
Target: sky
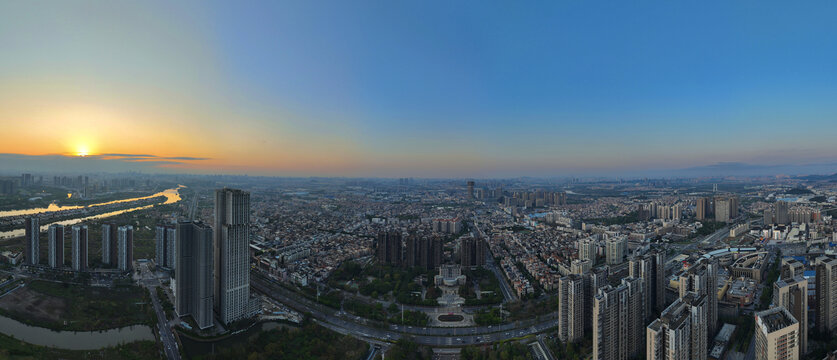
419 89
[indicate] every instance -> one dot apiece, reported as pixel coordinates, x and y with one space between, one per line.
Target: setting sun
83 151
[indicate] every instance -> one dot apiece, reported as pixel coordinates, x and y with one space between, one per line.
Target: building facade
571 308
826 269
79 247
618 330
776 335
56 246
231 254
32 235
792 294
194 286
165 246
109 243
389 248
651 268
679 333
702 279
125 259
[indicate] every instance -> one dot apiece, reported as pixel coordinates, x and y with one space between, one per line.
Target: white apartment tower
231 252
571 308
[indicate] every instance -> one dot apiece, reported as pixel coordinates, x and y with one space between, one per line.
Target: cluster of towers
211 265
420 251
719 208
781 214
117 245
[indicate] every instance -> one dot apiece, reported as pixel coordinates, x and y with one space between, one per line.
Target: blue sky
443 88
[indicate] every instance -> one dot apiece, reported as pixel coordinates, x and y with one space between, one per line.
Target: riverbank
64 307
74 340
14 348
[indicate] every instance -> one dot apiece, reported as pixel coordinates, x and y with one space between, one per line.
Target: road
711 239
166 335
545 348
508 294
345 323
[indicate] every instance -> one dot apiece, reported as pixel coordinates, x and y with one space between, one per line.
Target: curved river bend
74 340
172 196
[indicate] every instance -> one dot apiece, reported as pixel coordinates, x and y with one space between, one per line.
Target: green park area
310 341
406 349
391 314
386 283
62 306
11 348
413 286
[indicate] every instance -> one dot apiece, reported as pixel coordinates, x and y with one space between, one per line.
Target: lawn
80 308
11 348
311 341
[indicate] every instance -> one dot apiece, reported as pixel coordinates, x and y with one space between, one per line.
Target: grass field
81 308
11 348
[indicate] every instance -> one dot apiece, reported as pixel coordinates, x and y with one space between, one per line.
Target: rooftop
774 319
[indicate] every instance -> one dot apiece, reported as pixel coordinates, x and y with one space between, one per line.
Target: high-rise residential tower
231 253
616 249
618 325
79 247
109 244
125 259
792 294
651 268
389 248
56 246
594 280
33 249
702 279
722 209
164 241
571 308
702 207
588 250
472 251
826 269
194 286
680 331
776 335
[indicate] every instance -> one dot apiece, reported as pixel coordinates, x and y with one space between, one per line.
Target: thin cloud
111 162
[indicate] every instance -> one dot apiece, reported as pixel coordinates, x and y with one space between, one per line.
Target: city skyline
393 90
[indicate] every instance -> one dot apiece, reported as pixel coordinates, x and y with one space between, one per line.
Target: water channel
172 196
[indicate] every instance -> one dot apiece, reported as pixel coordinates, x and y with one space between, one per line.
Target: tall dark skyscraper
33 249
472 251
125 259
389 248
56 246
194 286
651 268
424 252
109 244
702 279
470 189
80 247
231 253
165 246
702 207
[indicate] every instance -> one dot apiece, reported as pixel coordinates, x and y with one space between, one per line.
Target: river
172 196
75 340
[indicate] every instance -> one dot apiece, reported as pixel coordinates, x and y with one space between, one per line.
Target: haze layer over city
434 180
